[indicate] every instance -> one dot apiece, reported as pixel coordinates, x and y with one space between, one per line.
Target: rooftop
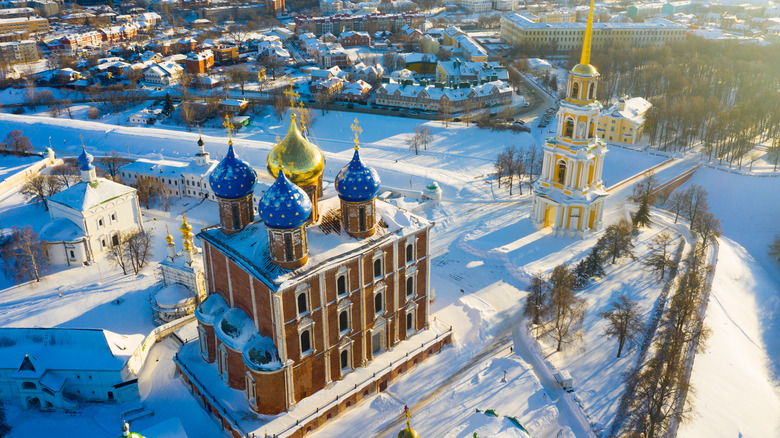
83 196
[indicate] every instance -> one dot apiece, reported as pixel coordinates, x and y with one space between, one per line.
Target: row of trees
518 164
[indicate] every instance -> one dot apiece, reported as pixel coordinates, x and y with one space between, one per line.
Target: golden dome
301 160
168 238
408 432
585 70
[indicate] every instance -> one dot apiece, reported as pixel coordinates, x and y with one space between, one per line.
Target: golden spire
168 238
292 95
585 59
357 130
408 418
229 127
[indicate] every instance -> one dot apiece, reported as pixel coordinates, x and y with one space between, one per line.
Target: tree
24 255
5 429
168 106
413 141
17 142
323 98
676 204
707 226
617 241
65 174
40 187
594 263
660 257
581 276
139 249
147 189
240 75
565 310
113 161
642 217
426 135
536 300
624 322
118 254
134 75
643 190
696 202
390 61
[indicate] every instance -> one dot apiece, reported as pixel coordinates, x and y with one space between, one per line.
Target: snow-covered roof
66 349
61 230
83 196
173 295
249 247
235 329
634 109
167 168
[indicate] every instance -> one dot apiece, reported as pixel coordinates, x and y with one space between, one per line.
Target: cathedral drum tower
569 194
233 183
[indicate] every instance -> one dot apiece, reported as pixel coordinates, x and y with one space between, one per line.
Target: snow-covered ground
484 248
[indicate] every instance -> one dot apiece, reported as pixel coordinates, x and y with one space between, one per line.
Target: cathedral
316 283
569 194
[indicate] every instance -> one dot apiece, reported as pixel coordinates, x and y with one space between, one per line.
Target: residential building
330 7
199 63
32 25
331 55
224 55
336 24
16 12
330 86
233 107
14 36
78 41
88 218
505 5
476 6
164 73
456 70
144 117
18 52
351 38
355 91
362 72
517 29
420 63
469 49
443 99
55 369
624 122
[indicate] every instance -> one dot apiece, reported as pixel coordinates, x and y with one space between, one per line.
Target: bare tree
660 258
118 254
617 241
139 249
707 226
426 135
323 98
696 198
17 142
413 141
624 322
281 106
643 190
676 203
24 255
536 300
113 161
147 189
390 61
66 174
40 187
240 75
565 310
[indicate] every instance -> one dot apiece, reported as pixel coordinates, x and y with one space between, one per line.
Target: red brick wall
271 390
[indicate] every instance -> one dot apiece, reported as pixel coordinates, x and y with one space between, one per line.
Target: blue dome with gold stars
284 205
357 182
233 178
85 160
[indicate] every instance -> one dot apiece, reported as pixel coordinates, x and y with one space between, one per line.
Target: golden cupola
300 159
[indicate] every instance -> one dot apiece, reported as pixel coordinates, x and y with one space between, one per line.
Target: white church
87 218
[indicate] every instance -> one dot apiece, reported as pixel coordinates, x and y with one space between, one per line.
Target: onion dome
357 182
301 160
85 160
168 238
285 205
233 178
408 432
200 140
585 70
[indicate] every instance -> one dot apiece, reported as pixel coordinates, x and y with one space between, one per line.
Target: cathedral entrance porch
230 409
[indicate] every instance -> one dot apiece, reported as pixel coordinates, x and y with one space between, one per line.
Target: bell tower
569 194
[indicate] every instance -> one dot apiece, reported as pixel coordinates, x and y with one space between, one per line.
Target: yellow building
624 122
24 24
523 30
569 194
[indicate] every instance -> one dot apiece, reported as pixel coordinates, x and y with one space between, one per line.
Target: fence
138 358
34 169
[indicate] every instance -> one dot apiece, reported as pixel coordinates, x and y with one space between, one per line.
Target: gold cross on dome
292 95
82 141
357 130
229 127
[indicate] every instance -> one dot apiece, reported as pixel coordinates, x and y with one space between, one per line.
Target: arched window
343 321
236 217
581 130
592 91
362 218
341 284
575 90
591 129
410 286
378 268
561 177
568 129
305 341
409 253
288 247
29 385
378 303
409 321
344 359
302 304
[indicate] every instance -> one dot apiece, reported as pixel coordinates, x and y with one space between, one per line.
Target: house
330 86
233 107
58 368
355 91
457 70
185 45
420 63
624 122
332 55
199 63
362 72
88 218
164 73
351 38
144 117
443 99
224 55
539 66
